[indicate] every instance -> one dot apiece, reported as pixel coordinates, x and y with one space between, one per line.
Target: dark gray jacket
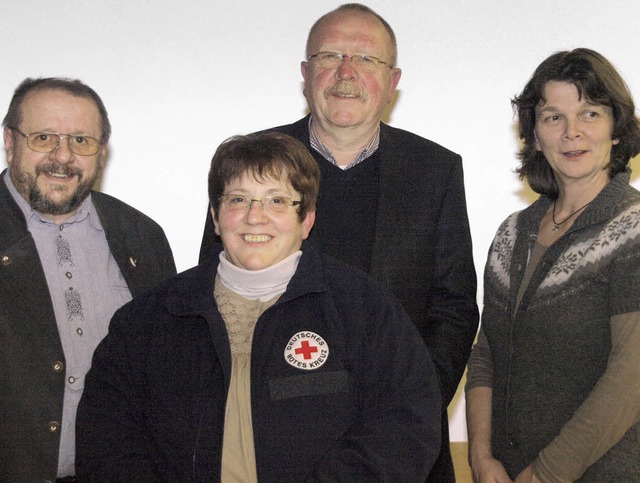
31 356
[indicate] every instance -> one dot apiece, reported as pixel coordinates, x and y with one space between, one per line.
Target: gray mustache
59 169
344 88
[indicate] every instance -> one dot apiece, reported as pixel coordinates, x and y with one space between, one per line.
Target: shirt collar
86 211
368 150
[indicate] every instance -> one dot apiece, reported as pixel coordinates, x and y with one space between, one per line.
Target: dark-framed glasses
275 204
333 60
45 142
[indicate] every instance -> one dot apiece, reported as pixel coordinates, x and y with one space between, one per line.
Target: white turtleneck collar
258 284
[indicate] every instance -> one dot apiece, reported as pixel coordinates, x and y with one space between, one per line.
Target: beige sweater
240 316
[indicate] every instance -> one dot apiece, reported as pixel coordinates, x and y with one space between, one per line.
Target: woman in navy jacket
272 362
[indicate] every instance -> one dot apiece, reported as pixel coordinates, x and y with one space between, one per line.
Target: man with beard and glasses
391 203
69 257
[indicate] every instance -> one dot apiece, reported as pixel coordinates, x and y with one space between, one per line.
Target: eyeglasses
275 204
333 60
45 142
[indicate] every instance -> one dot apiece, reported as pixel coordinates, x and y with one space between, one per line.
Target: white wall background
180 76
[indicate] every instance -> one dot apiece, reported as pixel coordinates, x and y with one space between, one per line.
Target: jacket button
5 260
71 379
57 367
53 426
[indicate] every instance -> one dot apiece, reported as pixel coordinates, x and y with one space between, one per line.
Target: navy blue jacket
154 400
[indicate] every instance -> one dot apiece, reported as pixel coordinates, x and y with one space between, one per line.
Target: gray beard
45 205
42 204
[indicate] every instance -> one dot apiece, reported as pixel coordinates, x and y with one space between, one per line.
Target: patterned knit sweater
548 354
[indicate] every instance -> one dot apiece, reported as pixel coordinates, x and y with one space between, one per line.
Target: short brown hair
267 154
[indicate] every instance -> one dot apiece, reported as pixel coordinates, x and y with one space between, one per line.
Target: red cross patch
306 350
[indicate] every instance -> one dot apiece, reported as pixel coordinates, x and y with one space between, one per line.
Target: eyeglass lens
47 142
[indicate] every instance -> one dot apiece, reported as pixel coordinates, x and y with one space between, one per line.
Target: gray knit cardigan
548 357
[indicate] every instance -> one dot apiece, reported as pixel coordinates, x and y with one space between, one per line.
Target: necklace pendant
555 227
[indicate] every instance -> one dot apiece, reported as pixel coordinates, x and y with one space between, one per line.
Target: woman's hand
527 476
484 467
489 470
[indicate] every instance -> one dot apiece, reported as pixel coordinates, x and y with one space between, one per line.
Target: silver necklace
556 224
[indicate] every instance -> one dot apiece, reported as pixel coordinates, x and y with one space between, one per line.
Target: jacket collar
9 210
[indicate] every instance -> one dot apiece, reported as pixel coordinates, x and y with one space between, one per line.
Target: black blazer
31 356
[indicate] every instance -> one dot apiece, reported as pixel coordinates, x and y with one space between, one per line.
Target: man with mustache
391 203
69 258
